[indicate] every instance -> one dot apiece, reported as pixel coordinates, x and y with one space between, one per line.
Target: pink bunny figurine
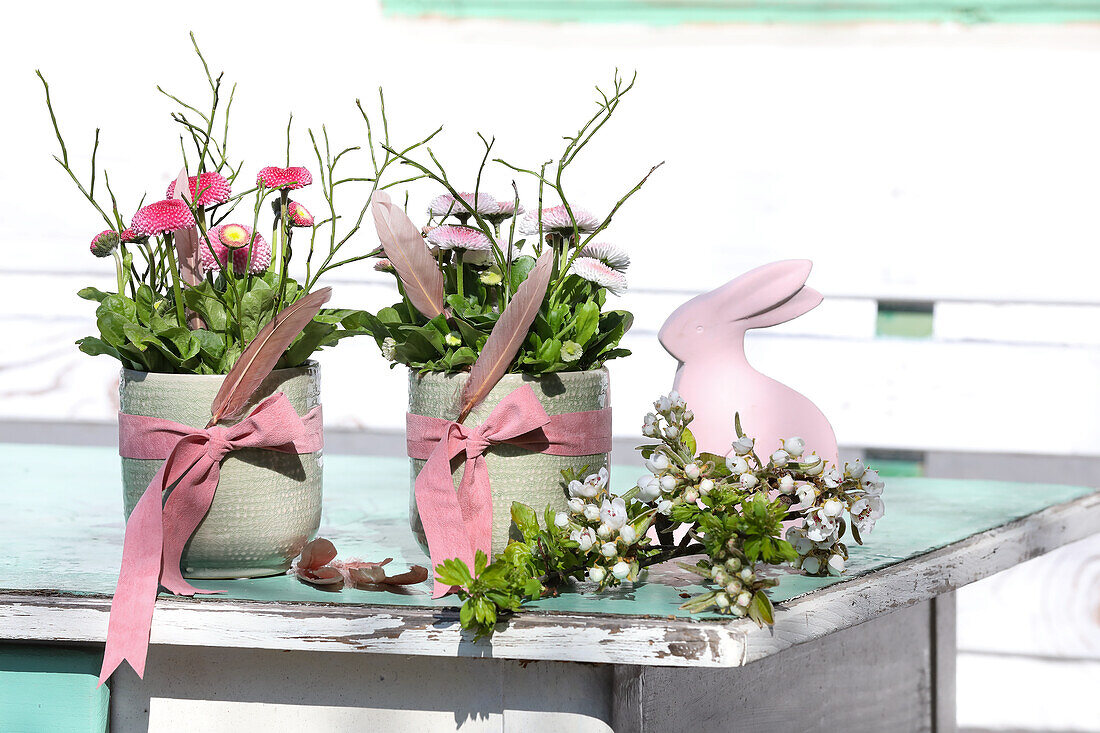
707 336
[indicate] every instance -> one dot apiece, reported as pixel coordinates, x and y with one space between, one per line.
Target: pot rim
509 375
138 375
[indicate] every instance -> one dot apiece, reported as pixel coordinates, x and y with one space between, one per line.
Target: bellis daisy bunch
485 245
196 279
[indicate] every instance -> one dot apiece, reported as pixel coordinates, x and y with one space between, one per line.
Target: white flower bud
688 415
676 400
706 486
591 512
649 488
738 611
586 539
621 570
650 430
748 481
743 445
744 598
604 532
836 565
737 465
656 463
807 494
811 564
691 496
608 549
692 471
733 587
597 574
672 432
664 507
721 577
747 575
663 404
668 483
813 465
628 533
833 508
786 485
794 446
561 520
576 505
733 564
780 458
855 469
832 478
650 418
722 600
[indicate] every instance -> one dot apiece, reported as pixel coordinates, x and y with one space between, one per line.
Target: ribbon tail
475 499
183 512
437 503
136 592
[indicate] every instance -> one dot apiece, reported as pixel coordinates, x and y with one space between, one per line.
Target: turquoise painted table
333 660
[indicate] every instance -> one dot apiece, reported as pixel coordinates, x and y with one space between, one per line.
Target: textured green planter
515 474
268 504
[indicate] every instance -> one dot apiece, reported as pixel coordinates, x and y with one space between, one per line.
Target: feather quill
260 357
187 248
507 336
404 247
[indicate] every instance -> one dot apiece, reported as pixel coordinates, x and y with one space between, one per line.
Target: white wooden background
931 163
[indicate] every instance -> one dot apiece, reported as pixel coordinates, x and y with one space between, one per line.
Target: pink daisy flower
163 217
555 220
235 237
104 243
594 271
458 237
299 215
446 204
608 254
129 236
284 178
211 188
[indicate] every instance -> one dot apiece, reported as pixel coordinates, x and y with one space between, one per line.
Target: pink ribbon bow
156 533
458 524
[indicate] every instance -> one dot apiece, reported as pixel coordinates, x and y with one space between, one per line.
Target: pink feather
405 249
260 357
507 336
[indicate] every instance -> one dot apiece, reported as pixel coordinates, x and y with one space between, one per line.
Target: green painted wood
51 689
671 12
65 529
904 320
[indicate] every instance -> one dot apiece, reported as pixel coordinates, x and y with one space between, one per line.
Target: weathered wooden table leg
895 673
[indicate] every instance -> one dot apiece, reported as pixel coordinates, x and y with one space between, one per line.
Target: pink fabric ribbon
458 524
156 532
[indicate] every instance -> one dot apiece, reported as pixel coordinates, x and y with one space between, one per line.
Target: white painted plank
999 692
881 393
1052 605
1072 325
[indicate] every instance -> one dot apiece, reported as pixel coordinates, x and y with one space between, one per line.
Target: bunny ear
763 288
804 301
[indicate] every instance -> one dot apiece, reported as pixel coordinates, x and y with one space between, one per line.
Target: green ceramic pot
515 474
268 504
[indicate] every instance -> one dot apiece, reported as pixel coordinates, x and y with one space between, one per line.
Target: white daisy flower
459 237
594 271
609 254
555 220
445 205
